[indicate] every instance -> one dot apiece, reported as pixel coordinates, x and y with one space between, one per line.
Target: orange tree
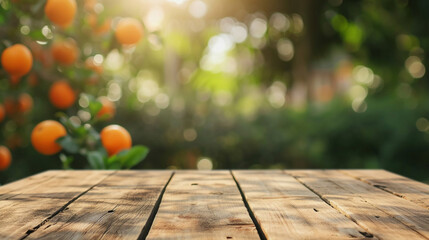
51 60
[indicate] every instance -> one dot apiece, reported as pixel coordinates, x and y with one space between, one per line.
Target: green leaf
113 162
81 131
112 159
68 144
37 35
94 107
95 159
115 165
131 157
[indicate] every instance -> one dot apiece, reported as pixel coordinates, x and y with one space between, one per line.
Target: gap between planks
413 227
30 231
386 189
149 222
249 210
203 205
367 234
145 229
283 206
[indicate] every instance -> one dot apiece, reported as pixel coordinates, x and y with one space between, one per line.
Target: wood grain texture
381 213
284 207
117 208
290 204
400 186
21 186
28 209
202 205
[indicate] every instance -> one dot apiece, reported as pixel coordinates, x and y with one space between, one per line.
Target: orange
90 64
98 28
45 135
5 158
115 139
25 103
61 12
2 113
65 52
108 108
62 95
17 60
128 31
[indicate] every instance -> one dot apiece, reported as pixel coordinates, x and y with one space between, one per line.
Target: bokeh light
205 164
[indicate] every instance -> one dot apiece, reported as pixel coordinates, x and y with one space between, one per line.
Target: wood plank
15 188
411 190
381 213
284 207
117 208
27 210
202 205
62 185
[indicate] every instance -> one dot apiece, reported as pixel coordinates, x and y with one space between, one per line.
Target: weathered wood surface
284 207
401 186
24 211
116 208
384 215
202 205
242 204
25 185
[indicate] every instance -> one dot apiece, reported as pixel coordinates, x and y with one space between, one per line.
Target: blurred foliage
382 137
244 84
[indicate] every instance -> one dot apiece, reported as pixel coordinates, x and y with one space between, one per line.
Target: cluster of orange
17 61
45 134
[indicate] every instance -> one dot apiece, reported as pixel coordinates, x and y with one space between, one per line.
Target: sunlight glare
415 67
198 9
154 19
190 134
359 105
114 92
162 101
114 60
258 27
363 75
277 94
205 164
285 49
239 32
178 2
422 124
279 22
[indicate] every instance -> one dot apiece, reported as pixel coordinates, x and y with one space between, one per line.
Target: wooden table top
243 204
